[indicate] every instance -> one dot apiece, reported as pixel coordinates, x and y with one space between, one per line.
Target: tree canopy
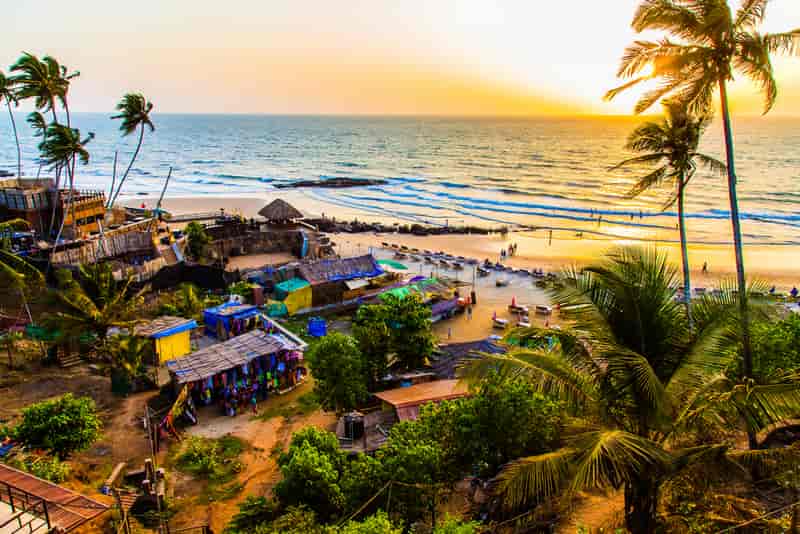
338 369
62 426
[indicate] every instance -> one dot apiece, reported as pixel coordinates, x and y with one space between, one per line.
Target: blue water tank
317 327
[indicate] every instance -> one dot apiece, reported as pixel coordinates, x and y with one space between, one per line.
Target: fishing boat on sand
482 272
498 322
541 309
501 282
518 308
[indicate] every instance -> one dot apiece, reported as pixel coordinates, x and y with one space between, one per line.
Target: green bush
46 467
216 459
62 426
338 369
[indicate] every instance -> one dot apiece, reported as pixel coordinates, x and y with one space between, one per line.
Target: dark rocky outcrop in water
355 227
335 183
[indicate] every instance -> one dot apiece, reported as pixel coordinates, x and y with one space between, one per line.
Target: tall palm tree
63 146
668 149
709 44
135 114
7 93
636 379
47 82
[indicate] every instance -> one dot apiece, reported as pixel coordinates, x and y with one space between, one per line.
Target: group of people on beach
507 253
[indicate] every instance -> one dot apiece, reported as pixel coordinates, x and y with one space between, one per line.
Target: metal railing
28 511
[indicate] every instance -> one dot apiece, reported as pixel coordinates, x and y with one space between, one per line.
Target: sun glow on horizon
450 57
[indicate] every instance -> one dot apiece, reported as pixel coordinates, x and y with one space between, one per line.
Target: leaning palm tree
7 93
668 148
709 43
636 380
135 114
46 82
63 146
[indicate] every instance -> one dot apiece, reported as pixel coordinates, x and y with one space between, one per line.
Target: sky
443 57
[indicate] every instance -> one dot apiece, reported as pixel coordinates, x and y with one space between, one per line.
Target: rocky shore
333 183
329 225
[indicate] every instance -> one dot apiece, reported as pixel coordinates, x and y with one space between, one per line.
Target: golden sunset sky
465 57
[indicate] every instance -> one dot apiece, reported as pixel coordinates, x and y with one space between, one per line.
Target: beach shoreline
770 264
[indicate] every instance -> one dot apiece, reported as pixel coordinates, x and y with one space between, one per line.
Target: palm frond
530 479
610 458
750 14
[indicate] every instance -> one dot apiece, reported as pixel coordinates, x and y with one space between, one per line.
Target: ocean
545 172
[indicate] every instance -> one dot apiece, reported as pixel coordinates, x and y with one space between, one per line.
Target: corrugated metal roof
163 324
227 355
66 509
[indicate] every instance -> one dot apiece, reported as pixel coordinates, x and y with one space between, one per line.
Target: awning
356 284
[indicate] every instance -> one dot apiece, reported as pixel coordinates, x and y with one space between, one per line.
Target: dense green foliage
776 346
61 426
338 368
196 239
504 420
637 381
187 301
407 321
129 356
46 467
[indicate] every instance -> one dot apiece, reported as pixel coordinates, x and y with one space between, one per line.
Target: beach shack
171 336
230 319
295 294
331 279
406 401
244 369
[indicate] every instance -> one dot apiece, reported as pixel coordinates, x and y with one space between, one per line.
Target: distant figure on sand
705 267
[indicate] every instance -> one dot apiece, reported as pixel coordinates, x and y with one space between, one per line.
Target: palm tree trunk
687 285
747 356
69 204
641 503
58 180
113 179
135 153
16 138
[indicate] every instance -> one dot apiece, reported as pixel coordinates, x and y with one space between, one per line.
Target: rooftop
66 509
236 351
164 326
438 390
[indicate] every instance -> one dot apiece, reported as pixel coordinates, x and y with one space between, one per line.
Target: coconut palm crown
707 45
9 94
669 151
636 379
135 114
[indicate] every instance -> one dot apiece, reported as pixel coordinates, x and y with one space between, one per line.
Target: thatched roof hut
280 211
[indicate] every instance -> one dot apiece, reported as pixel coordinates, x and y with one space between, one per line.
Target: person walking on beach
705 267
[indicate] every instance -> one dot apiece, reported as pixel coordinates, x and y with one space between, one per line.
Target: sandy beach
777 265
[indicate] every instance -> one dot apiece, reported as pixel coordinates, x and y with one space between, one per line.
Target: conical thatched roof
280 210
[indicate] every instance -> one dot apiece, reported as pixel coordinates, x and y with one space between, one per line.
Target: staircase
69 360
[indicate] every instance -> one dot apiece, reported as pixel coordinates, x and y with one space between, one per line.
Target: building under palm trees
32 199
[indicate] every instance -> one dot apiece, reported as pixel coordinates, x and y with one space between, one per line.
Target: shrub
217 460
338 368
62 425
46 467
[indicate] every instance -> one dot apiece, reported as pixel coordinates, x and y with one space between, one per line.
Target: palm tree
15 267
45 81
635 378
7 93
63 146
93 304
135 113
669 150
711 44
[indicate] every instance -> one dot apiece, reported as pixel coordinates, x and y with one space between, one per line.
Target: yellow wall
174 346
297 300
